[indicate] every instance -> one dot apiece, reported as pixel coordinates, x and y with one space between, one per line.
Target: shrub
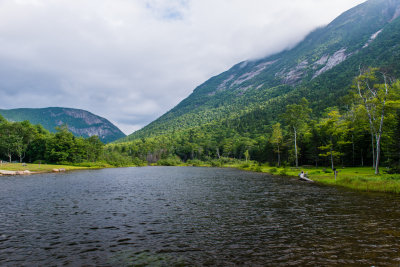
225 160
283 172
273 170
245 165
195 162
170 161
216 163
393 169
118 160
256 168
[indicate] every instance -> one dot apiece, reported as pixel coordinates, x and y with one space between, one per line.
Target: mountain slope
321 68
80 122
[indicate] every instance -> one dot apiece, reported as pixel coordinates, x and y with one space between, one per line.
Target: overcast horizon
132 61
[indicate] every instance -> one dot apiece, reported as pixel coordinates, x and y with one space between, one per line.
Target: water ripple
192 216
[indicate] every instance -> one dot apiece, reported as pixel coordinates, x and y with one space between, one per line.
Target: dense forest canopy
336 136
24 142
332 100
310 91
364 130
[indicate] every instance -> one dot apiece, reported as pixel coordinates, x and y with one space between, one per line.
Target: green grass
39 167
358 178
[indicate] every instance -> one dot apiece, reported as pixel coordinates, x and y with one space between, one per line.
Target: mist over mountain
252 94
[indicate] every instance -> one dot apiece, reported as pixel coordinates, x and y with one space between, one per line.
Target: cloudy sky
132 60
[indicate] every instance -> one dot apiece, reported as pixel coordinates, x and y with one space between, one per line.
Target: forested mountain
320 68
234 112
79 122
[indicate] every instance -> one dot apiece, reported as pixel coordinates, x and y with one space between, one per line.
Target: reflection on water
191 216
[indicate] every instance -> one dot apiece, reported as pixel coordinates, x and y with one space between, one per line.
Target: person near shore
303 177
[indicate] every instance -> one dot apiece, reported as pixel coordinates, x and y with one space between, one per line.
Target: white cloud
131 61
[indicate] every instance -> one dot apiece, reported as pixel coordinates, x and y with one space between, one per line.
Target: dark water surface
192 216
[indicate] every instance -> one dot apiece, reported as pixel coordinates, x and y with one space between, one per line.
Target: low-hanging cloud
131 61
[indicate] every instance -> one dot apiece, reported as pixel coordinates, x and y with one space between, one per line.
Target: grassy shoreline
40 168
356 178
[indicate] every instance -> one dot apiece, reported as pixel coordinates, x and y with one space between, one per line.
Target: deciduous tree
276 140
296 116
375 89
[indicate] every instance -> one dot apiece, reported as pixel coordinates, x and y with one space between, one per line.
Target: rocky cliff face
320 68
79 122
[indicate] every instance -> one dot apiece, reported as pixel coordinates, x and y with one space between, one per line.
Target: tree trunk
371 117
21 156
379 134
332 154
295 146
362 158
378 152
279 157
354 154
373 151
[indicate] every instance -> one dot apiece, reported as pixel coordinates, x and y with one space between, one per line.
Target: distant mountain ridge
79 122
321 68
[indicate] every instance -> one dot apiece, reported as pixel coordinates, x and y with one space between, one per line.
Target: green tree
375 89
26 133
59 146
2 119
9 140
335 128
246 155
276 140
94 147
296 116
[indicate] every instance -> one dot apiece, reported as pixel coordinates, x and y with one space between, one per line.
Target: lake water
178 216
